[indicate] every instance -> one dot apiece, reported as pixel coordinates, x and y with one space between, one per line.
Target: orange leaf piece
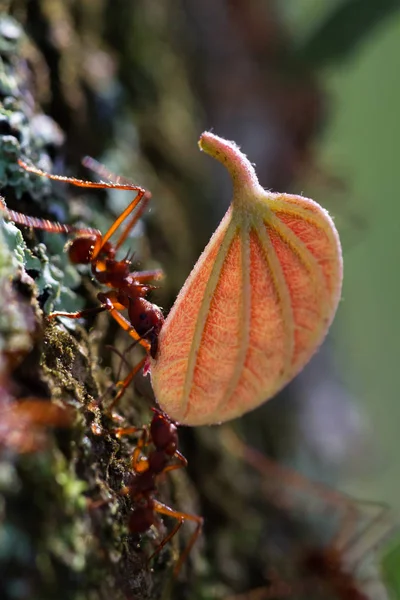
255 307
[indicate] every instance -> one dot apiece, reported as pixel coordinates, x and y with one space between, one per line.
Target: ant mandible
146 468
89 246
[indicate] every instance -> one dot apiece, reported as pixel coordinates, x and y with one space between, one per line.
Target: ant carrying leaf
89 246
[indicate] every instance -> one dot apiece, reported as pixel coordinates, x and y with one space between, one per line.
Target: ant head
80 249
160 414
147 319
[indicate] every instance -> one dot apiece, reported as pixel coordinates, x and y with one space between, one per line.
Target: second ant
155 454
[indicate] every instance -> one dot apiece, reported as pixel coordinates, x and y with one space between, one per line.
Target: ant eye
142 316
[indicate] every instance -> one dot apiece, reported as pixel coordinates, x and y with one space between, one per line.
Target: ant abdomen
157 461
142 483
142 518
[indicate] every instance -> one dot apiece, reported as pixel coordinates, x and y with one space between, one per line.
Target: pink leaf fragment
256 306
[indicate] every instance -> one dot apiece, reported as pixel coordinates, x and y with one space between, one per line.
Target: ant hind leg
181 518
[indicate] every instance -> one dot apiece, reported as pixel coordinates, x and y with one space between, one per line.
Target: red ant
91 247
146 469
332 567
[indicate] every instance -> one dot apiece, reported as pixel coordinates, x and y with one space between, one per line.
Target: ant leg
121 431
125 382
77 315
145 200
112 385
181 517
100 185
122 321
44 224
273 471
347 527
122 356
141 193
139 462
181 465
372 534
101 170
167 538
145 276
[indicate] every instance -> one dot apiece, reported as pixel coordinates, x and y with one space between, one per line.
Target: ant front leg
101 240
143 196
102 171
